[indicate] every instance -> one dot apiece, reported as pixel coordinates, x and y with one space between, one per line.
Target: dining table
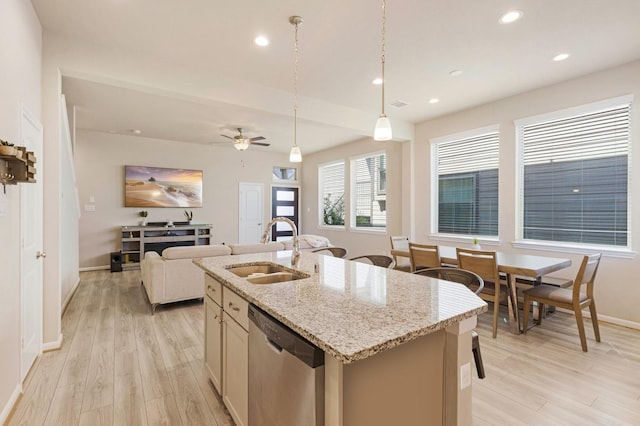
512 265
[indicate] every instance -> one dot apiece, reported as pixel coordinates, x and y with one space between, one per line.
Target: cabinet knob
41 254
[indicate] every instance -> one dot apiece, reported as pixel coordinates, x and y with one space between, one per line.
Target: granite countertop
350 310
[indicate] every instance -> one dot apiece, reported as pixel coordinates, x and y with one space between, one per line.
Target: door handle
41 254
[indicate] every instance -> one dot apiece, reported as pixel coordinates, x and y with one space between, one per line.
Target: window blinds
467 171
331 182
575 181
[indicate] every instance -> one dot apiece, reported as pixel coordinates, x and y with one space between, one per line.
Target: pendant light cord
295 88
383 49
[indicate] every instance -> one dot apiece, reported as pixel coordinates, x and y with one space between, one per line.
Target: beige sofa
173 277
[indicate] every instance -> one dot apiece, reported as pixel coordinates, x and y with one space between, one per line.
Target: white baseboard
607 319
94 268
70 295
4 414
52 346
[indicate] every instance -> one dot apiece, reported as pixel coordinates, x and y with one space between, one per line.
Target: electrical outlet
465 376
90 207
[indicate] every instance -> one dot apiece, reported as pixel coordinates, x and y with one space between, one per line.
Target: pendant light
382 131
295 156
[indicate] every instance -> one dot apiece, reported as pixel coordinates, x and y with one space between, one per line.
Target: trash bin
116 261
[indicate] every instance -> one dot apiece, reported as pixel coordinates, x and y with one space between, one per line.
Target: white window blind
369 199
575 177
331 182
467 174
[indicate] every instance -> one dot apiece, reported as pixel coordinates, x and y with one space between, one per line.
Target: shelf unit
14 170
136 240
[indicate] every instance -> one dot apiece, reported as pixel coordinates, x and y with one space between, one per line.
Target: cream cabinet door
235 381
213 342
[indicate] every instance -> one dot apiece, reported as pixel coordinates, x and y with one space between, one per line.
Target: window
285 173
466 167
369 194
331 181
575 168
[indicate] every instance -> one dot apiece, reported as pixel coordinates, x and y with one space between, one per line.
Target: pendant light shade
295 156
382 132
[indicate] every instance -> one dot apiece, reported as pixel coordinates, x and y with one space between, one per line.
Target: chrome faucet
295 255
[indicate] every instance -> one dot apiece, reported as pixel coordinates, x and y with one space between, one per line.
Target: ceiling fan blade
261 143
228 137
257 138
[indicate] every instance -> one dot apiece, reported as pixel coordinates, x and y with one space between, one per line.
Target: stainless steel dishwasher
286 375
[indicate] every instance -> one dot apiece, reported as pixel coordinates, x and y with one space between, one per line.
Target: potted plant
476 244
7 148
143 217
189 215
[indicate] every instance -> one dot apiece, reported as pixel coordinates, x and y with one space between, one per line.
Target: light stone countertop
350 310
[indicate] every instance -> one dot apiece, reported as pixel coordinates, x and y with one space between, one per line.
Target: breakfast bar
397 346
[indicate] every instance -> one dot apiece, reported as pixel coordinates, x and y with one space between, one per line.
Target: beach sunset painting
162 187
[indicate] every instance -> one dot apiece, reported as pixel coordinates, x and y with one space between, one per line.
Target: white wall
617 290
100 161
20 56
357 242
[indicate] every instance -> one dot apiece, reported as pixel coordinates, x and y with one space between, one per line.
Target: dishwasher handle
281 336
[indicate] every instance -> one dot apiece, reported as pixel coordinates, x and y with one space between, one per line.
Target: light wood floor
121 366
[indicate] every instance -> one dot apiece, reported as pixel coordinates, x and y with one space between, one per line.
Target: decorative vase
476 247
143 222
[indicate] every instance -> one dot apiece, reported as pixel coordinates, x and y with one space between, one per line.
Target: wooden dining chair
333 251
474 283
424 256
484 263
400 242
375 259
575 298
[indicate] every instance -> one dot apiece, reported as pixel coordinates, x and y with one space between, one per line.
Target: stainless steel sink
277 277
266 273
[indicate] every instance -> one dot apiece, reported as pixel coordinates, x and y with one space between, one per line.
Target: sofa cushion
256 248
193 252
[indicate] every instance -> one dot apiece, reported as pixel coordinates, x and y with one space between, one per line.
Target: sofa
173 277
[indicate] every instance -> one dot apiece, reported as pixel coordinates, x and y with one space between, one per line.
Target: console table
137 240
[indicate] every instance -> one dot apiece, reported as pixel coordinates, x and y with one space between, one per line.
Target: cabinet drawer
213 289
236 307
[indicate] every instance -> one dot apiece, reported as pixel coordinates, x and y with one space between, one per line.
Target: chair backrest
424 256
376 259
333 251
586 275
400 242
483 263
470 279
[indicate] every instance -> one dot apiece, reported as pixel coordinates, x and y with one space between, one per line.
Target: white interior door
251 212
31 256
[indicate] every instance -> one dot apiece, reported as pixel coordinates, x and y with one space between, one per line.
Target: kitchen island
397 346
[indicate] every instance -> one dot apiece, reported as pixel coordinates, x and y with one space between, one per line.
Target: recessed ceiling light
434 100
261 41
455 73
561 57
377 81
511 16
136 131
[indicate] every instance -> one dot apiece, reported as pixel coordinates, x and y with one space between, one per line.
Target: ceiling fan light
241 145
382 131
295 156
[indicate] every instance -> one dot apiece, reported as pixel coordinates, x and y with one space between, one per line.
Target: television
162 187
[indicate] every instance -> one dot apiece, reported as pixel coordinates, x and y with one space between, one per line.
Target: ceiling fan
241 143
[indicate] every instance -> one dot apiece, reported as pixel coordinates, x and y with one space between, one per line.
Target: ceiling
339 56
